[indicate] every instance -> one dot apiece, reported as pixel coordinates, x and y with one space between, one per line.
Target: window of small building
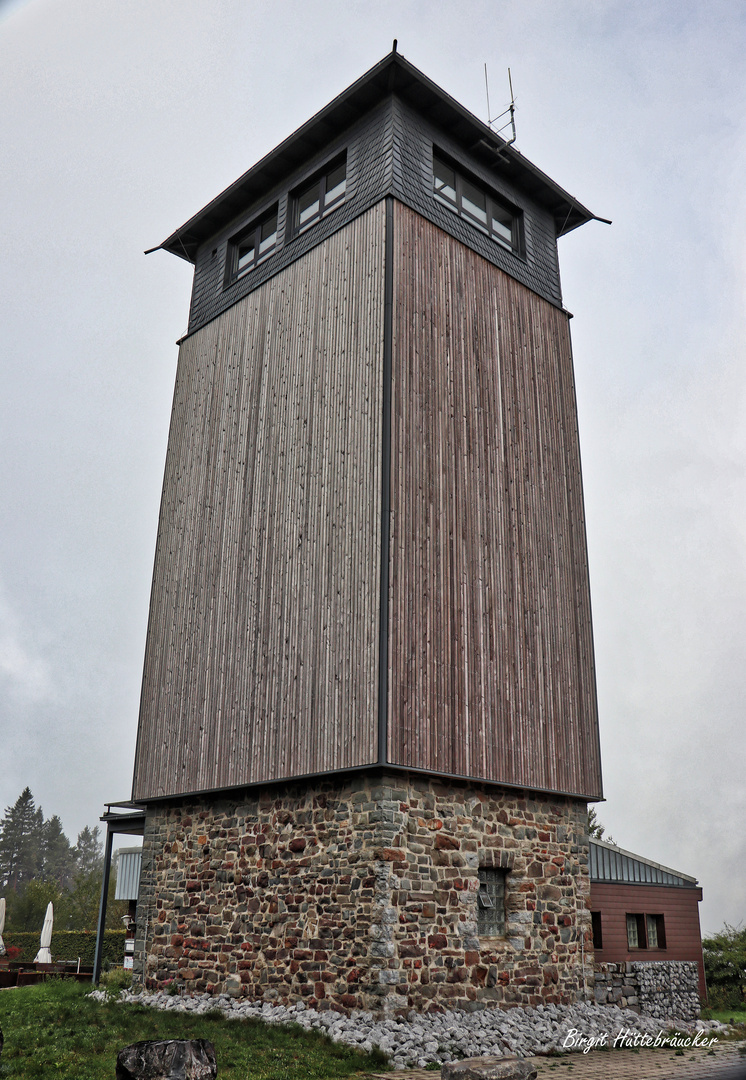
322 194
656 931
252 245
636 932
491 902
598 941
477 205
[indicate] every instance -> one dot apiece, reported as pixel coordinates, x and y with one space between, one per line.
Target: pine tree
58 856
596 831
89 852
82 901
27 907
21 842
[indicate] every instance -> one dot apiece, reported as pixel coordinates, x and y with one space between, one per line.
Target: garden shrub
69 945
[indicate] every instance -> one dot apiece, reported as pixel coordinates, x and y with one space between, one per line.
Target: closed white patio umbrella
44 956
2 926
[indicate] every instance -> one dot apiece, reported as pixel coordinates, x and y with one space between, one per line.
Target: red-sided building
642 910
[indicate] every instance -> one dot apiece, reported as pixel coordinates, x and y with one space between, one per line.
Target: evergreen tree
89 852
82 901
596 830
38 864
27 908
21 842
58 856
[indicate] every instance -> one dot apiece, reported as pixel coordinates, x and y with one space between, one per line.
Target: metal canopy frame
129 820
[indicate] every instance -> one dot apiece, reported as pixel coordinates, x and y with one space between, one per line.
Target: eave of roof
392 75
127 819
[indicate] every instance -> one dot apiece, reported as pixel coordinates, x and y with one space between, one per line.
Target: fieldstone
388 853
488 1068
167 1059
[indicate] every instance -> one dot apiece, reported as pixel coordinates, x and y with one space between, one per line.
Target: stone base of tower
363 895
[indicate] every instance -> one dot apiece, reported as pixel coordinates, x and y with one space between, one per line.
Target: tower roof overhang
392 75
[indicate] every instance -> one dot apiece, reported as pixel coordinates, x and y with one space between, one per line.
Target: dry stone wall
658 988
363 894
616 984
668 988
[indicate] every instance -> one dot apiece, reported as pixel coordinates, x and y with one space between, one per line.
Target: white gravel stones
440 1037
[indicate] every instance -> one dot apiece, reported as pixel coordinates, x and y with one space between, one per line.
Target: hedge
69 945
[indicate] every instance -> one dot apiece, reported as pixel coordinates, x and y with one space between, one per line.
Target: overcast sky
119 121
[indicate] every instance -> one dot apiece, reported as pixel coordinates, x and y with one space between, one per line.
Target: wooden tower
368 729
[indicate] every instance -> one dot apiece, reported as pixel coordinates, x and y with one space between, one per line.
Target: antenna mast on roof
509 112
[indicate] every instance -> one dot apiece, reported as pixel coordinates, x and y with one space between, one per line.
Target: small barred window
491 902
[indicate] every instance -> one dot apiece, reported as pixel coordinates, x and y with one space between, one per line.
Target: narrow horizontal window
252 245
476 205
322 194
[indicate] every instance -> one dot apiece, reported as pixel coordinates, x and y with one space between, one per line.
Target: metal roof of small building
611 863
392 75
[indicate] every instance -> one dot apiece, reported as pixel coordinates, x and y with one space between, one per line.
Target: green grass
736 1018
725 1016
53 1030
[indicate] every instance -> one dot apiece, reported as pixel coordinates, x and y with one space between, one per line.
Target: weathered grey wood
490 653
262 648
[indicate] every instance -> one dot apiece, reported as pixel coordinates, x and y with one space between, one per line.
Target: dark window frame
492 919
643 938
318 183
253 231
494 204
597 929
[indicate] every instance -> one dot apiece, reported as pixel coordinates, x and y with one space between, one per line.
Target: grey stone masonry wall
668 988
662 989
363 894
615 984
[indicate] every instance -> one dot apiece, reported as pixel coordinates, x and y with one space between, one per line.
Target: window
476 205
652 932
656 932
491 903
598 941
321 195
635 932
252 245
646 932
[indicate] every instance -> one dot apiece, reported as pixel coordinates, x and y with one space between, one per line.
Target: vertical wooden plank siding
491 669
262 648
